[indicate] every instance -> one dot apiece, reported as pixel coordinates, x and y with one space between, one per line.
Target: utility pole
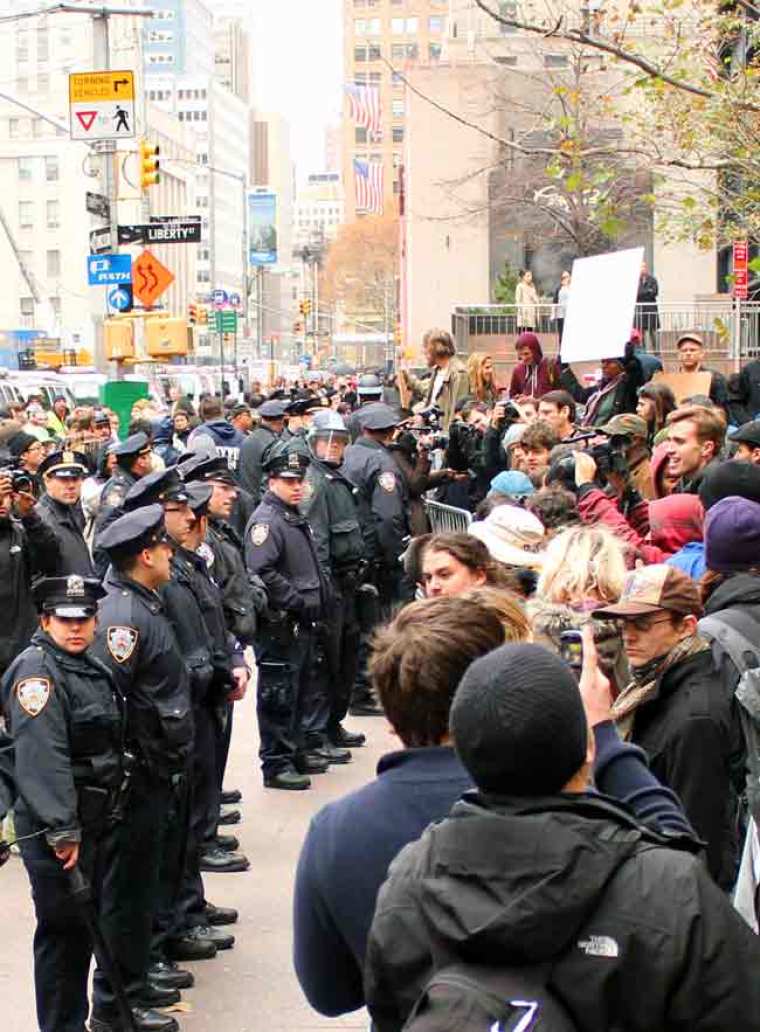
101 47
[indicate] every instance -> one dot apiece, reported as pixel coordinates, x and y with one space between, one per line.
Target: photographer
28 548
466 455
411 452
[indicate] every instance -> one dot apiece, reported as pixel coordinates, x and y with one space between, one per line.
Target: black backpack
475 998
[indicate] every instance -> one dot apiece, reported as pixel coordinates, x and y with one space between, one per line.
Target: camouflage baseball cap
625 425
653 589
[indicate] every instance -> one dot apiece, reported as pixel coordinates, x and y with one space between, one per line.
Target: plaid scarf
646 678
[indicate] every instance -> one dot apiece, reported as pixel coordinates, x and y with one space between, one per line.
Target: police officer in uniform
137 643
66 721
300 418
134 459
243 594
254 449
279 548
383 507
330 506
62 475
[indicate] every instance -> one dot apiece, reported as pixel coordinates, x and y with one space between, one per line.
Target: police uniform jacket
243 594
138 645
382 500
185 614
252 454
209 597
330 506
66 720
296 441
28 548
111 502
67 522
279 548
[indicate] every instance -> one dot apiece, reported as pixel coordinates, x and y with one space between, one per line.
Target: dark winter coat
637 935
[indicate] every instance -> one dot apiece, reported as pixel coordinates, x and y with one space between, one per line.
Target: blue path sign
120 299
106 269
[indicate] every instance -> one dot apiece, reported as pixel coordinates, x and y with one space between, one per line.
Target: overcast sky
298 70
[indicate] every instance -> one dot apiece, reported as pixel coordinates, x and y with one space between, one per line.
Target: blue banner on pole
106 269
262 228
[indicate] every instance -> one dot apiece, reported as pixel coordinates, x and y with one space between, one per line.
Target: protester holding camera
28 548
449 383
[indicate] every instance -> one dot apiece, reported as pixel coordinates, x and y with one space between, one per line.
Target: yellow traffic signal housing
149 165
193 314
118 339
202 315
165 336
307 306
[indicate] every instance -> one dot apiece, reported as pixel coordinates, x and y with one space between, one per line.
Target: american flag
368 179
364 104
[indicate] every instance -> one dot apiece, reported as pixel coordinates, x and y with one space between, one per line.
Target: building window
38 127
360 26
26 305
52 171
53 264
360 134
397 108
53 214
434 51
510 60
398 134
374 52
555 60
507 9
55 304
22 47
26 258
397 26
375 77
25 168
403 51
435 23
43 45
360 53
404 26
43 82
14 128
360 78
25 214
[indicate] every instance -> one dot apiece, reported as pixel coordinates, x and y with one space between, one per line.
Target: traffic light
193 314
297 328
305 307
149 165
203 315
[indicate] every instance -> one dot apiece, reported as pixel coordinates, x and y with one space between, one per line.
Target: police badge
121 642
74 586
33 694
387 481
260 533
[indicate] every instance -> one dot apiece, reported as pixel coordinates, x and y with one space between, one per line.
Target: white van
84 382
47 385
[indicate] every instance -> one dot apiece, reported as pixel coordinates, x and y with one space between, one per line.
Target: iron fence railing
730 330
447 518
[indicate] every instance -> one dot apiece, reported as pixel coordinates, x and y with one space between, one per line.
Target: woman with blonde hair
482 384
582 567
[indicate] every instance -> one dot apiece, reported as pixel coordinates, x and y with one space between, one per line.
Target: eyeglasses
643 624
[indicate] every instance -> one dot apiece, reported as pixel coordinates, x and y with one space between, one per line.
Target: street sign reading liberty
102 105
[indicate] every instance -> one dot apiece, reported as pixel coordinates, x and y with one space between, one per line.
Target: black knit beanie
518 723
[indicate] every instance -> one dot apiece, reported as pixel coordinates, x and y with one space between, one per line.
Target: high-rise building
232 57
179 38
383 40
318 209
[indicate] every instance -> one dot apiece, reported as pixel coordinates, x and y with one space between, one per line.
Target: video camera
21 480
609 456
432 423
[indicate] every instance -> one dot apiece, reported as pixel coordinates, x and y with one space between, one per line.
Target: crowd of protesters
571 814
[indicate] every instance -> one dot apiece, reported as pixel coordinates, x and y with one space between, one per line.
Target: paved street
252 987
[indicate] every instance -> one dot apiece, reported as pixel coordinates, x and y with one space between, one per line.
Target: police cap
198 497
133 532
71 597
132 447
101 418
301 406
65 463
196 468
281 462
326 423
378 417
164 486
272 410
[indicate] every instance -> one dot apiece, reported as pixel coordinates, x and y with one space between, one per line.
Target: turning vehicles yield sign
102 105
150 278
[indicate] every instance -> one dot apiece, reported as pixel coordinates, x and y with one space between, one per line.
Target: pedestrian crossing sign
102 105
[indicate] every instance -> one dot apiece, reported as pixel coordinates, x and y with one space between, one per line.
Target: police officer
62 475
243 594
254 449
330 506
134 459
300 417
383 508
137 643
66 720
383 504
279 547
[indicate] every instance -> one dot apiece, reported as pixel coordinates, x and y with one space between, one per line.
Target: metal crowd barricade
447 519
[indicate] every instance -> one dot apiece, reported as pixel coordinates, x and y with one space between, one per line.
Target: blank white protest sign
601 305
